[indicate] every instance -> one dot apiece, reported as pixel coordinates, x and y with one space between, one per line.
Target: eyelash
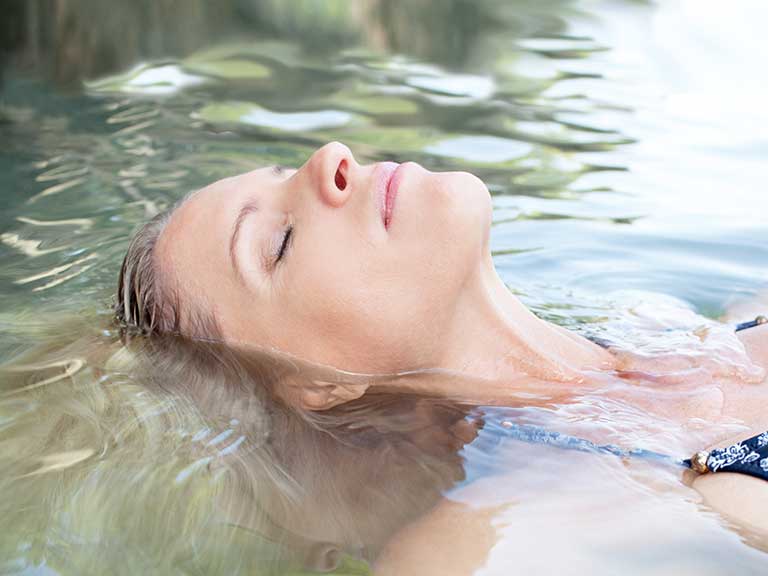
284 245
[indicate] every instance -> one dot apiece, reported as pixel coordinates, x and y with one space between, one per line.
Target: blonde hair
180 450
148 301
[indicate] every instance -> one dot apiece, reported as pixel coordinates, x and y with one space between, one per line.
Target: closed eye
284 245
279 170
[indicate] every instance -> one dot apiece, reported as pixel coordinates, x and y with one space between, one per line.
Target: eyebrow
245 210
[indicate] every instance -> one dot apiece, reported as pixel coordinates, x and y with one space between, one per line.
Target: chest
748 401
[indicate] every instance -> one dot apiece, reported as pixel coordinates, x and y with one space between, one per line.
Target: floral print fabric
747 457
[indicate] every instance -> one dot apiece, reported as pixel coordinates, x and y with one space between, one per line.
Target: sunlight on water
623 143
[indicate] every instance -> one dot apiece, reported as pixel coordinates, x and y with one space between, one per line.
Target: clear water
622 141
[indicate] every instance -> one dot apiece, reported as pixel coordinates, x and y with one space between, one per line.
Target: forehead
195 242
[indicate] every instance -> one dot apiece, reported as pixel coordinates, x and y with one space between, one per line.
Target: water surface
623 143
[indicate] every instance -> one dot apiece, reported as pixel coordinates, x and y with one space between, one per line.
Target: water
622 142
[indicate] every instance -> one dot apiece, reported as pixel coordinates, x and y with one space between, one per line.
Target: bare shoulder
755 341
747 308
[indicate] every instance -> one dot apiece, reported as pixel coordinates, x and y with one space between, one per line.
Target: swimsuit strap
752 323
747 457
537 435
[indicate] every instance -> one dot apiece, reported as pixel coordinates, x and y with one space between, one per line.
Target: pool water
622 142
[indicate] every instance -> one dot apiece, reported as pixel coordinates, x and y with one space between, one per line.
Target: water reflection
244 483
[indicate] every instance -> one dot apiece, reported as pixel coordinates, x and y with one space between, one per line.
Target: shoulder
755 342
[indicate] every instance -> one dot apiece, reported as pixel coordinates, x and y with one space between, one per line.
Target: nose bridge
324 168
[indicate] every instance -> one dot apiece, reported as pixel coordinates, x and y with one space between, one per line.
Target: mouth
385 177
392 188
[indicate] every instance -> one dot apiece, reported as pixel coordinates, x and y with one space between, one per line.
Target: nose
331 170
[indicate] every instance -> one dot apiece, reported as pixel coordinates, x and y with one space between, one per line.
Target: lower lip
391 194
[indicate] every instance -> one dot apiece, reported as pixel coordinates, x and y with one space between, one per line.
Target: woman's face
358 267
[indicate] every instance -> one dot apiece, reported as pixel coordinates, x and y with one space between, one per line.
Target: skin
343 275
353 294
434 544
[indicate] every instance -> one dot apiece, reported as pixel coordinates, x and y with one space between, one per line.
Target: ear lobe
324 395
348 392
317 394
315 398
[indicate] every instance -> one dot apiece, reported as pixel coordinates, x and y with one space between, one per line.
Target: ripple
79 222
487 149
254 115
28 247
57 188
133 114
232 69
62 173
59 274
157 80
561 46
379 105
474 86
284 53
560 134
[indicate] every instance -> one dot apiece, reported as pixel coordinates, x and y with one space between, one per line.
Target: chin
471 201
467 210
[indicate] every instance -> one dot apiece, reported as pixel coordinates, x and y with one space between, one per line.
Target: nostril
341 176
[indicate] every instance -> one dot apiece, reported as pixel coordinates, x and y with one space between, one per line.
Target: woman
386 270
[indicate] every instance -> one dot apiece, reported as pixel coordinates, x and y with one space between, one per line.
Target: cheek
369 314
372 307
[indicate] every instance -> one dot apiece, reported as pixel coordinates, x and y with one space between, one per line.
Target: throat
546 351
497 338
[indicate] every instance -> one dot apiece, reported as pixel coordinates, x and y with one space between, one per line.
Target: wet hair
149 300
227 477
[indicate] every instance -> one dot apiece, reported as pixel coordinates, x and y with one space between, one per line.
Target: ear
319 395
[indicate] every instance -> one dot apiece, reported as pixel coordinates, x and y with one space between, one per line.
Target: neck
495 338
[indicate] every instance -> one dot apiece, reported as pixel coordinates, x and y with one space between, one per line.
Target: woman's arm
454 539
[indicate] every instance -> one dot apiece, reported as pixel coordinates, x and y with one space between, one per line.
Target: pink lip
392 188
385 172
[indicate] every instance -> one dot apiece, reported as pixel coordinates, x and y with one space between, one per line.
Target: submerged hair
179 449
